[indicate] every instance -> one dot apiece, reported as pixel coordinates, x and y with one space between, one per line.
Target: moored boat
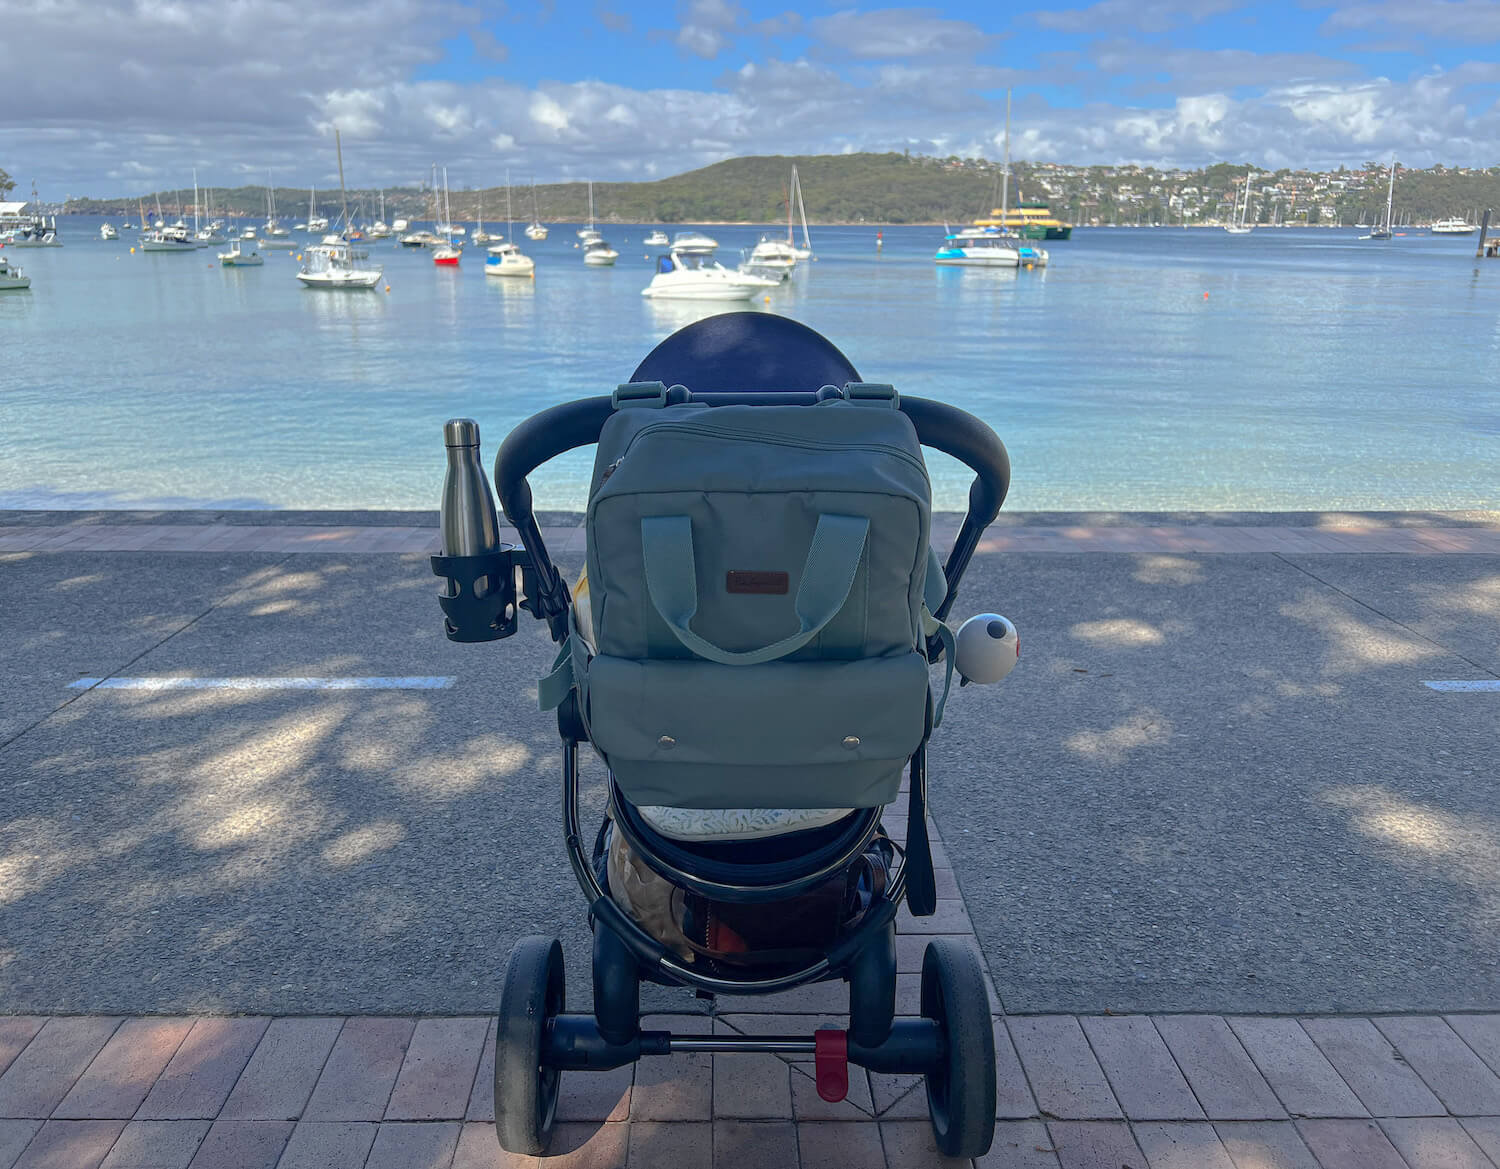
106 232
1454 226
696 276
12 279
1029 219
239 257
656 239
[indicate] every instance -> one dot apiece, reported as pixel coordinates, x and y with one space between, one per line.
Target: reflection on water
1291 369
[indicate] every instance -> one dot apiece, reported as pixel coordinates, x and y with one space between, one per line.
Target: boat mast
195 200
509 226
1390 194
338 147
801 207
591 204
1005 171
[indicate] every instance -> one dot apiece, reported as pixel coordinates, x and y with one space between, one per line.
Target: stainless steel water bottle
470 526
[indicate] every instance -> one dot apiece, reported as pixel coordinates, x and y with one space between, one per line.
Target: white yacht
695 276
771 255
238 257
173 238
987 247
248 233
315 222
334 266
505 258
694 243
1453 227
12 279
598 254
535 231
656 239
106 232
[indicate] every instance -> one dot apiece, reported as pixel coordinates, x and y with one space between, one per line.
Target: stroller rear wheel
525 1091
961 1092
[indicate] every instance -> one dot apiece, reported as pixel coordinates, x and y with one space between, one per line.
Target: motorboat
1453 227
656 239
506 259
695 276
238 257
12 279
979 247
535 231
399 225
278 243
335 240
694 243
171 238
248 233
39 233
333 266
598 254
420 239
106 232
773 255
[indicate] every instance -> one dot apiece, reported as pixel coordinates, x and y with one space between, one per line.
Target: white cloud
1154 16
1461 20
148 99
906 33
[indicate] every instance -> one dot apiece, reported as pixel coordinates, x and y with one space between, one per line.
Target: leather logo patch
741 581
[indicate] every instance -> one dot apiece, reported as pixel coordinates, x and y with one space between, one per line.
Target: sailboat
481 236
596 250
333 263
448 253
536 231
315 222
1240 226
989 243
162 238
273 235
805 252
380 229
505 258
1383 230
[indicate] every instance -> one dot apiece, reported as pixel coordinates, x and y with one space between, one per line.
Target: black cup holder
468 614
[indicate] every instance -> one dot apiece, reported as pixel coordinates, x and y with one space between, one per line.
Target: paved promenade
1231 859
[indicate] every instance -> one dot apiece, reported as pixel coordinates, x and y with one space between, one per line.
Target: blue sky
113 96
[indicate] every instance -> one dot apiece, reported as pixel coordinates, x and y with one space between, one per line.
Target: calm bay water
1318 372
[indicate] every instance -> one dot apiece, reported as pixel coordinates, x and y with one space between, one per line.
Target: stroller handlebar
559 429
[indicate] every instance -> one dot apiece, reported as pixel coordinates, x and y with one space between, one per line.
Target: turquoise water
1318 371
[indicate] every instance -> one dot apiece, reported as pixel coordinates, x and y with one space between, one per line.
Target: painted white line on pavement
1485 684
413 683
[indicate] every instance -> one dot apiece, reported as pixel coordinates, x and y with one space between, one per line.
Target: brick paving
1073 1092
1369 537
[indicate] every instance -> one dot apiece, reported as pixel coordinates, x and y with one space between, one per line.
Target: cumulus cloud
154 91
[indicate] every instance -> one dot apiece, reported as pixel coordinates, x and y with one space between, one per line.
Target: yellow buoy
387 287
132 251
768 300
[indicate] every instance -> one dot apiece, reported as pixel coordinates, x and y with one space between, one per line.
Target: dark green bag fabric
756 583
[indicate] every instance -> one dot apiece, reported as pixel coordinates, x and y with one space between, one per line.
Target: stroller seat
726 824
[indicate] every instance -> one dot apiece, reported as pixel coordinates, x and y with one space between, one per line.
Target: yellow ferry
1029 220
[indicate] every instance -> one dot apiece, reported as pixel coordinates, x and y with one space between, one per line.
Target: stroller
752 664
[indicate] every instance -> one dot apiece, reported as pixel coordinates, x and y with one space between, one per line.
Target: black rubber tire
525 1091
961 1093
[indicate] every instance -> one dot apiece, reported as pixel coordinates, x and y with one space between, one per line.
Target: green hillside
837 188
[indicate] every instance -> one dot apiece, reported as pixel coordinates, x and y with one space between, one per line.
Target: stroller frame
950 1043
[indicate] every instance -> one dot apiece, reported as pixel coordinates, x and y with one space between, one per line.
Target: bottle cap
461 432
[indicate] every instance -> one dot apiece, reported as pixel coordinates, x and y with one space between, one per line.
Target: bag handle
672 583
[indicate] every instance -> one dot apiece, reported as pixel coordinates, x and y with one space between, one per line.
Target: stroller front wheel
525 1091
960 1092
